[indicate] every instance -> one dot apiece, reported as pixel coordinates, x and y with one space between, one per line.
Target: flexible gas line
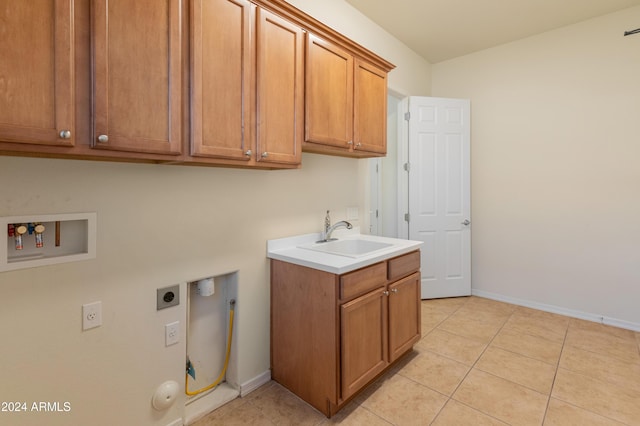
232 304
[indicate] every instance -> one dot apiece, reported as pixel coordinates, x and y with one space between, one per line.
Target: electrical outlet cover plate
167 297
172 333
91 315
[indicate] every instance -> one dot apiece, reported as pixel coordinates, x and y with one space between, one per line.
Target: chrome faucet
328 228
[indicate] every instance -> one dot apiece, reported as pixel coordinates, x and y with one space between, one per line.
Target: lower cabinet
331 335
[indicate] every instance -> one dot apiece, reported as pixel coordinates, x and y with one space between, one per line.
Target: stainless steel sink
347 247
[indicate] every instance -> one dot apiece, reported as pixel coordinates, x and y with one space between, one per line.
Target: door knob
466 222
65 134
103 138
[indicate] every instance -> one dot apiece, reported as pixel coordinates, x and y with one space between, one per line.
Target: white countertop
289 250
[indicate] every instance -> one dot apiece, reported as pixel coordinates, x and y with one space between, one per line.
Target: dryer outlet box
168 296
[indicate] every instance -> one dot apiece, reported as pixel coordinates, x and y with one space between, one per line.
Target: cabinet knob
394 290
265 154
358 144
386 293
65 134
248 153
103 138
350 143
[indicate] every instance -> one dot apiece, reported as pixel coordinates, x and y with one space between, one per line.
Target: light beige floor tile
502 399
602 398
435 371
355 415
482 314
536 313
602 328
447 305
602 367
431 317
528 345
559 413
466 326
517 368
457 414
284 408
603 343
458 348
401 401
238 412
492 306
550 329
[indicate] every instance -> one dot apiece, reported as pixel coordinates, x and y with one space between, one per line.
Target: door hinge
376 213
407 116
407 167
407 217
377 170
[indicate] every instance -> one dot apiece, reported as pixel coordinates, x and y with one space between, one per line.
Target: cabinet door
363 323
404 315
329 94
370 108
36 72
137 75
279 89
221 67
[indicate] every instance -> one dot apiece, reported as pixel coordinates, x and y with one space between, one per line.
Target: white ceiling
443 29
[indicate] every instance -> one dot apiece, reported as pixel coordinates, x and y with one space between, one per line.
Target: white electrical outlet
91 315
172 333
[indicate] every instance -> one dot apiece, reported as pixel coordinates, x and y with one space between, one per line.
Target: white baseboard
560 310
253 384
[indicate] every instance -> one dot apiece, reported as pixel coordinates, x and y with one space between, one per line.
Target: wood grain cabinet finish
247 92
279 90
346 102
36 72
206 82
331 335
137 75
221 75
329 94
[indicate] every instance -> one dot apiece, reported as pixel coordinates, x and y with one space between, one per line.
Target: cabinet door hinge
407 116
407 217
407 167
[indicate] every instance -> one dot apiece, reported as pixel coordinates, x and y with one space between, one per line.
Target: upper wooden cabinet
221 75
247 84
137 75
36 72
346 102
369 108
210 82
279 90
329 91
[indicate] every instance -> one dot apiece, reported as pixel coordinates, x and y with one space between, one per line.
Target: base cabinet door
137 75
363 348
36 72
404 315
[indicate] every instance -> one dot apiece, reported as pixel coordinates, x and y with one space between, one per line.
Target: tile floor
481 362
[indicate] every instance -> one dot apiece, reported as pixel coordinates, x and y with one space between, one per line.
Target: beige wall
157 226
555 165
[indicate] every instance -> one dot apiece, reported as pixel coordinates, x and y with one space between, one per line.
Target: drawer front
402 266
363 280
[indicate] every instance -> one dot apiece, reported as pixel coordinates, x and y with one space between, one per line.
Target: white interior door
439 193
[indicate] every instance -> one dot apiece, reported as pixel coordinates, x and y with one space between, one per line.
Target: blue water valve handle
190 370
